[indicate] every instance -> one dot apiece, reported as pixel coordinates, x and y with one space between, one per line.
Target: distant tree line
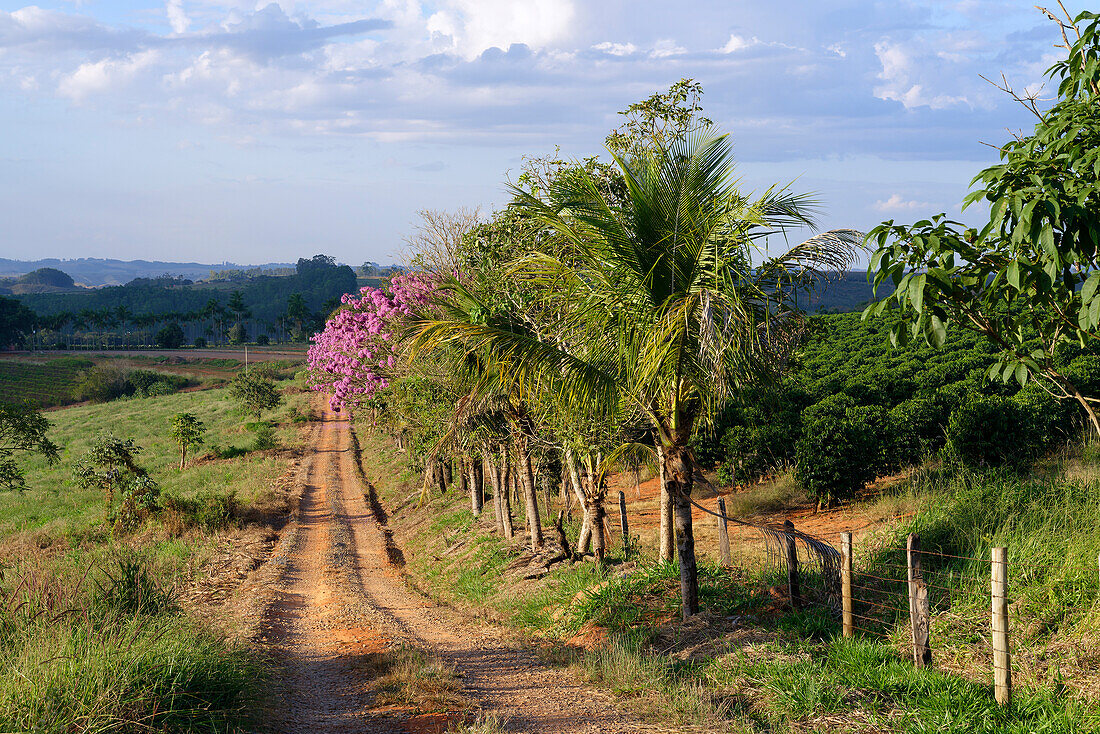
171 312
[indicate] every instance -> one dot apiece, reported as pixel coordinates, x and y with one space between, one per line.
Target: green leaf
916 291
938 331
1046 237
1021 374
1088 290
1013 274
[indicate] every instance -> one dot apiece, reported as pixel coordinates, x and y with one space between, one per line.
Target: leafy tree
171 336
843 446
659 119
298 312
22 429
186 430
1029 279
254 392
111 464
238 333
237 307
16 321
664 310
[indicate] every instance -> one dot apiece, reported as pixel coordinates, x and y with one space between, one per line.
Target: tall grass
108 651
1049 523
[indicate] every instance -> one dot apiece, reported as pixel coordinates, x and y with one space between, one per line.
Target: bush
171 337
254 391
990 431
843 446
209 509
263 340
917 426
200 342
101 384
265 438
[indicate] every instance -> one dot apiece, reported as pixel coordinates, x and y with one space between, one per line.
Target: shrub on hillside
917 426
101 384
990 431
842 447
758 445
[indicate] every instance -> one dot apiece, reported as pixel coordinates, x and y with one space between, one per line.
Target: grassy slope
55 508
770 671
91 638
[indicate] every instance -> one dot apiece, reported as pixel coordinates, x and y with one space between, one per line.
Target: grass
54 510
774 670
92 638
483 723
863 682
414 680
108 651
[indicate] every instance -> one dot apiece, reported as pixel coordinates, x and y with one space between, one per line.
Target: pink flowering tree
355 356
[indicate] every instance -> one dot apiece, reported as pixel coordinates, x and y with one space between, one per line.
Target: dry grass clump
413 679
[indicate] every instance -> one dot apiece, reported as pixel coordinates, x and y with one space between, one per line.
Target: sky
242 131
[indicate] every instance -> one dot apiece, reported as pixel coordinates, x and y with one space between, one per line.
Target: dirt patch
337 597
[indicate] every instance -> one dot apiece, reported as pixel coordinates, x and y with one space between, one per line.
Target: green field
92 635
44 384
53 506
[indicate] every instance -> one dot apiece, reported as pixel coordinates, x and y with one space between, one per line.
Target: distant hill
43 280
844 292
94 272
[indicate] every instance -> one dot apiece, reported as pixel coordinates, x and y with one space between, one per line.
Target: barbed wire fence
876 596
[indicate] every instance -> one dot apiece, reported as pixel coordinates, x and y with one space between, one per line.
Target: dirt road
339 598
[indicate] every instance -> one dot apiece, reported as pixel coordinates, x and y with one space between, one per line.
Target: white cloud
470 27
176 17
739 43
102 76
897 203
616 49
666 47
905 71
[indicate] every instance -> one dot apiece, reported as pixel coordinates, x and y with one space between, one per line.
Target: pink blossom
353 357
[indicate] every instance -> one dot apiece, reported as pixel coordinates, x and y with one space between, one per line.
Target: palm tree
667 311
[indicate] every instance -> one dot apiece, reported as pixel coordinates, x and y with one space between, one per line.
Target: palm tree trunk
506 476
585 536
679 476
530 494
595 512
477 501
441 476
667 539
463 475
494 481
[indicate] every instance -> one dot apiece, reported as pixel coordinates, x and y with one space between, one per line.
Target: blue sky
215 130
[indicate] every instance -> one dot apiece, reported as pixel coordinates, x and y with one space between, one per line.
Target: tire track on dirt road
340 596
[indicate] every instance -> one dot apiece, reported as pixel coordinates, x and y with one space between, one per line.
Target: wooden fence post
920 612
723 535
846 582
1002 660
792 568
623 523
